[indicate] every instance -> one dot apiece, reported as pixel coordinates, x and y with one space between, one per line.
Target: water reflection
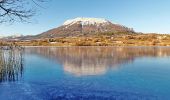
11 64
82 61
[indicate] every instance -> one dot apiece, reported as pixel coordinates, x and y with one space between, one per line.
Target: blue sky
142 15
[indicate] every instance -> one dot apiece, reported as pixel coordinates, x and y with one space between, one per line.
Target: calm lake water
85 73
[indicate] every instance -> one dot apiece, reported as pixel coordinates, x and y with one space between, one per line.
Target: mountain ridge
84 26
80 26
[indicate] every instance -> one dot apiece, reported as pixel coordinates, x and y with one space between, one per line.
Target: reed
11 63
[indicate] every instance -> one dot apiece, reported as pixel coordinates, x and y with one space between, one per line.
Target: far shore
96 40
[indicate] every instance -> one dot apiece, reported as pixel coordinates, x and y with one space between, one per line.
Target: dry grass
100 40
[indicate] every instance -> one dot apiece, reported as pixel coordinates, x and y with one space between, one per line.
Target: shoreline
100 40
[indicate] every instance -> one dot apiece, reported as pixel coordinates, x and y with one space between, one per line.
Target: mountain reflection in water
82 61
11 64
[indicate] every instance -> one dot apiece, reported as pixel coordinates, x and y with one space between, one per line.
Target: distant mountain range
14 36
79 27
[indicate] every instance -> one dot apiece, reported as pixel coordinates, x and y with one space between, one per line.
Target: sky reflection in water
127 73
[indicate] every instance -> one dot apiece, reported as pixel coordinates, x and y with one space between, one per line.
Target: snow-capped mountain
87 21
84 26
11 37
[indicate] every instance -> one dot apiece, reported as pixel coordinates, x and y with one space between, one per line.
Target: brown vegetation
99 40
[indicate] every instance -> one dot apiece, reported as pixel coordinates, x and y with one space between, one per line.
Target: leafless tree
17 10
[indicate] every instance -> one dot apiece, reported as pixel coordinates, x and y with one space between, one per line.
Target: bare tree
17 10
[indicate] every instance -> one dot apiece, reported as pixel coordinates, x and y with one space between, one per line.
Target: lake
85 73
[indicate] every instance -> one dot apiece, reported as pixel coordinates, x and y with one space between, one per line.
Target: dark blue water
87 73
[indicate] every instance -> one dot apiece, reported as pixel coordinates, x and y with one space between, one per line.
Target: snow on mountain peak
86 21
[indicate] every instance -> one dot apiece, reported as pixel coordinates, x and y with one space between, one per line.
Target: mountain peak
85 26
86 21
